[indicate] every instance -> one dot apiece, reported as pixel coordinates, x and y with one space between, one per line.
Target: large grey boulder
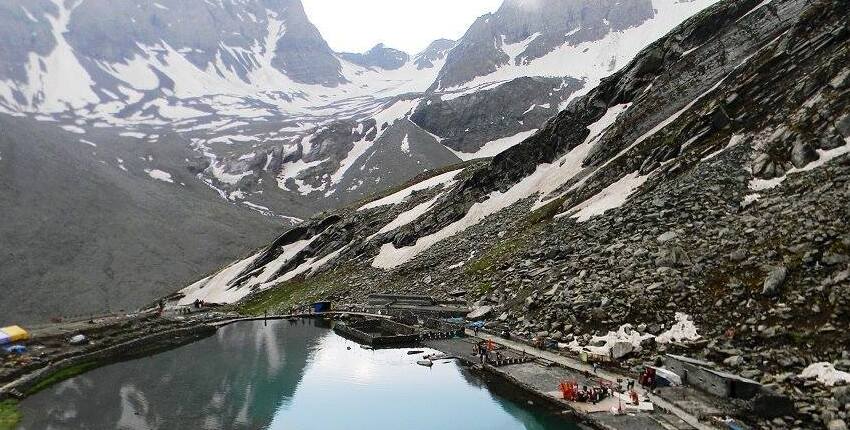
479 313
842 394
621 349
802 153
836 424
774 280
673 256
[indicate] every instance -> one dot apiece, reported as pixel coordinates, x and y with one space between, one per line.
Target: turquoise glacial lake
281 375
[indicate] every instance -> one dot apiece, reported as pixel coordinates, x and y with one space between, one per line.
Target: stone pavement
683 418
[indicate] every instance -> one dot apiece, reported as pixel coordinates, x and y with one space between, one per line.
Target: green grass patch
799 338
10 415
544 213
63 374
482 288
495 255
297 291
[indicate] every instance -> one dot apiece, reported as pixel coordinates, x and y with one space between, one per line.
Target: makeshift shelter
668 377
12 334
320 307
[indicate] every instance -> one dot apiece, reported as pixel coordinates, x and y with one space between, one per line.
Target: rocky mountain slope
244 103
93 226
696 199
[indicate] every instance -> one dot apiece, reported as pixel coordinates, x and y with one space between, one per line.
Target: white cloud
356 26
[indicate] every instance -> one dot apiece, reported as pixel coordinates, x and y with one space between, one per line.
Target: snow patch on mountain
273 267
495 147
405 144
624 334
216 288
613 196
391 257
444 180
160 175
514 50
394 112
570 164
219 172
356 152
683 329
824 156
409 216
73 129
307 267
825 373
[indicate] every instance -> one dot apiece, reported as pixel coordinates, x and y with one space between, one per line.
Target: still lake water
286 375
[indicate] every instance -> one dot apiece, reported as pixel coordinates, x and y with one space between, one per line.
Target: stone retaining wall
144 345
405 335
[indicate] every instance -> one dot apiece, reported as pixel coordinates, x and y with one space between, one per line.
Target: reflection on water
284 375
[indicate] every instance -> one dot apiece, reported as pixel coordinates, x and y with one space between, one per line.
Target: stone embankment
51 356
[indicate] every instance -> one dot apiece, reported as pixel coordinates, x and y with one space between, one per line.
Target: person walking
595 367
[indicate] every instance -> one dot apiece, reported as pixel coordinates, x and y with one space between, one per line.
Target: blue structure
320 307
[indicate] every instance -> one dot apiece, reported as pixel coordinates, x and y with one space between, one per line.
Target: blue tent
16 349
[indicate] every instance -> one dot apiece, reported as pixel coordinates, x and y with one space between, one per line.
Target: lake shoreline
146 341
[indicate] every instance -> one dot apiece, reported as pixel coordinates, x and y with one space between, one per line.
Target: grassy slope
9 414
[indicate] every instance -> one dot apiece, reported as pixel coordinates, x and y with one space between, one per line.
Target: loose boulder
802 154
775 279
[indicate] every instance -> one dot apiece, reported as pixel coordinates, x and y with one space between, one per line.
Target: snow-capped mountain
252 82
576 38
269 119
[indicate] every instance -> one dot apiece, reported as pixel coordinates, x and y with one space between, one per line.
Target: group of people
483 349
573 393
647 379
595 394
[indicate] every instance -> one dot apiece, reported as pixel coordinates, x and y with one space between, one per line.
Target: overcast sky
409 25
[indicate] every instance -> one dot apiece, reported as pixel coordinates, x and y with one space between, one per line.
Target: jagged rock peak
435 52
379 56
